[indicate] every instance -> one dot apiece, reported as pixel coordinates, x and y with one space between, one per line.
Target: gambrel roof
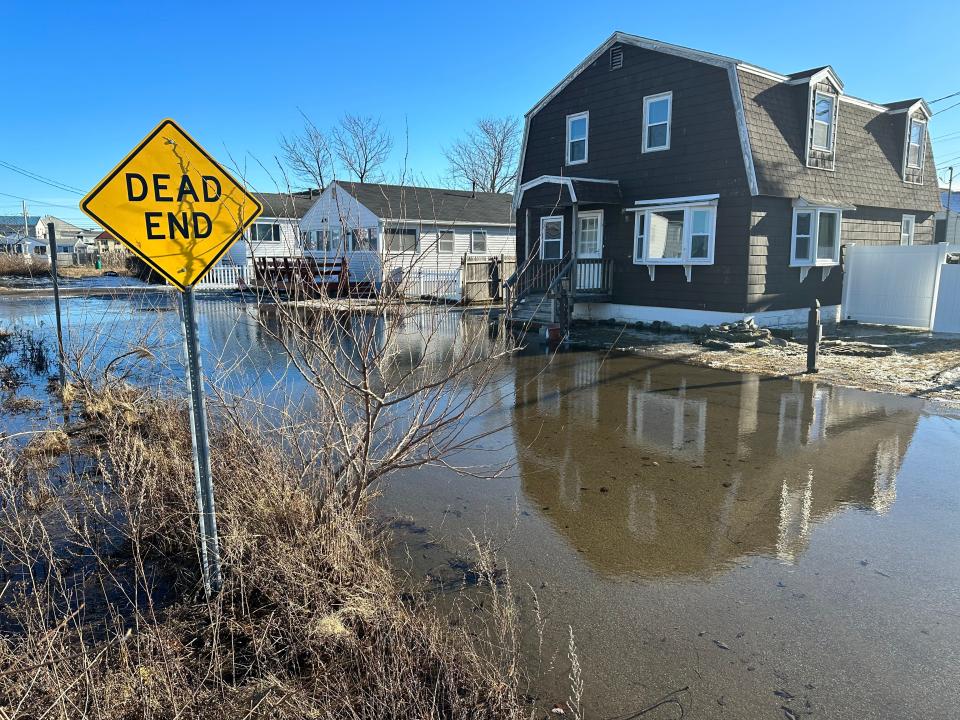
869 155
771 111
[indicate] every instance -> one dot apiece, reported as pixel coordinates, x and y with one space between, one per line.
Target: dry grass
102 613
17 266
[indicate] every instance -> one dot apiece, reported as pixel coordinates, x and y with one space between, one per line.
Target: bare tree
362 144
309 155
486 157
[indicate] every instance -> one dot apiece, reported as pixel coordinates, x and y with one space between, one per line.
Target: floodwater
780 548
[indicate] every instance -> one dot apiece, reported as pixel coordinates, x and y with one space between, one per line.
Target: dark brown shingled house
671 184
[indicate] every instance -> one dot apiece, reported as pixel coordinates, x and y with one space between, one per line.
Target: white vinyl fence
227 277
896 284
947 318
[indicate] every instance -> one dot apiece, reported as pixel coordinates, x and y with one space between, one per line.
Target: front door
590 250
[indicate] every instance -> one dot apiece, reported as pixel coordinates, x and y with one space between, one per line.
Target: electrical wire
40 178
945 97
951 107
39 202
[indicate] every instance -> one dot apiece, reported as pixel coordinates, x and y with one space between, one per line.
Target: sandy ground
922 365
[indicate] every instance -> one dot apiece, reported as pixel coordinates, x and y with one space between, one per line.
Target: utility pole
26 228
52 239
946 225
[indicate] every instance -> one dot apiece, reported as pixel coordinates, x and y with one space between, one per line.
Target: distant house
385 230
674 184
107 243
70 238
948 230
28 226
276 233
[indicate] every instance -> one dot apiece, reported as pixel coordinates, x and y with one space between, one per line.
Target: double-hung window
551 237
578 127
264 233
907 226
816 236
445 243
478 242
918 129
823 121
657 110
678 234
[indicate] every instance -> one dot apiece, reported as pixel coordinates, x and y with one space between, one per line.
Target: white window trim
913 229
453 237
586 138
813 120
386 242
923 143
543 221
486 239
684 258
646 115
814 261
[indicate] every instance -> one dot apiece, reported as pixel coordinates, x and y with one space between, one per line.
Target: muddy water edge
773 546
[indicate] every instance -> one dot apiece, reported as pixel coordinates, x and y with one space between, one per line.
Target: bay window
815 239
551 237
577 130
675 234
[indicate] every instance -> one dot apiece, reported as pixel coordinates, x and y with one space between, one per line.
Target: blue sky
89 80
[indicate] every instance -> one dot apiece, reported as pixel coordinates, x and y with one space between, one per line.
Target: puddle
774 546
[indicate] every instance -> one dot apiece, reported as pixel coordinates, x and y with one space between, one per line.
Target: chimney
473 189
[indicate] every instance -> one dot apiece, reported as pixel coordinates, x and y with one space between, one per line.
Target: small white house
384 231
276 233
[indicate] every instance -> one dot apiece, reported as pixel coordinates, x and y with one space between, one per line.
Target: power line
950 134
951 107
945 97
40 178
39 202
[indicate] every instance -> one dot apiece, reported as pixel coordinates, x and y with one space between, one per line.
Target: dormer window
918 129
823 122
577 130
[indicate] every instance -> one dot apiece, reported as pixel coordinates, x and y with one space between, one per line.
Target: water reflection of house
669 471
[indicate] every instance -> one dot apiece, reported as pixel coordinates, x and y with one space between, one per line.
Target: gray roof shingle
285 205
395 202
869 153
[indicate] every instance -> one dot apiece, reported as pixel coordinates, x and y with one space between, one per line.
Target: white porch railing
227 277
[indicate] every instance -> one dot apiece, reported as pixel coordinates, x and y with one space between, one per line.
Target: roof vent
616 57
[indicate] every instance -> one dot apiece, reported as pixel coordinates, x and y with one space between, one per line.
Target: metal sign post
52 238
179 210
209 542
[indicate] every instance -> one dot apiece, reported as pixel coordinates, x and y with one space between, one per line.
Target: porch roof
560 191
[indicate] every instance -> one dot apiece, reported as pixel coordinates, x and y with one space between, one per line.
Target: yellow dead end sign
173 205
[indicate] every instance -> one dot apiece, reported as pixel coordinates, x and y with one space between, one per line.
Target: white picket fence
227 277
900 285
441 284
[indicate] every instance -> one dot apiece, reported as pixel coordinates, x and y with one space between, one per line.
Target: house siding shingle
869 150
